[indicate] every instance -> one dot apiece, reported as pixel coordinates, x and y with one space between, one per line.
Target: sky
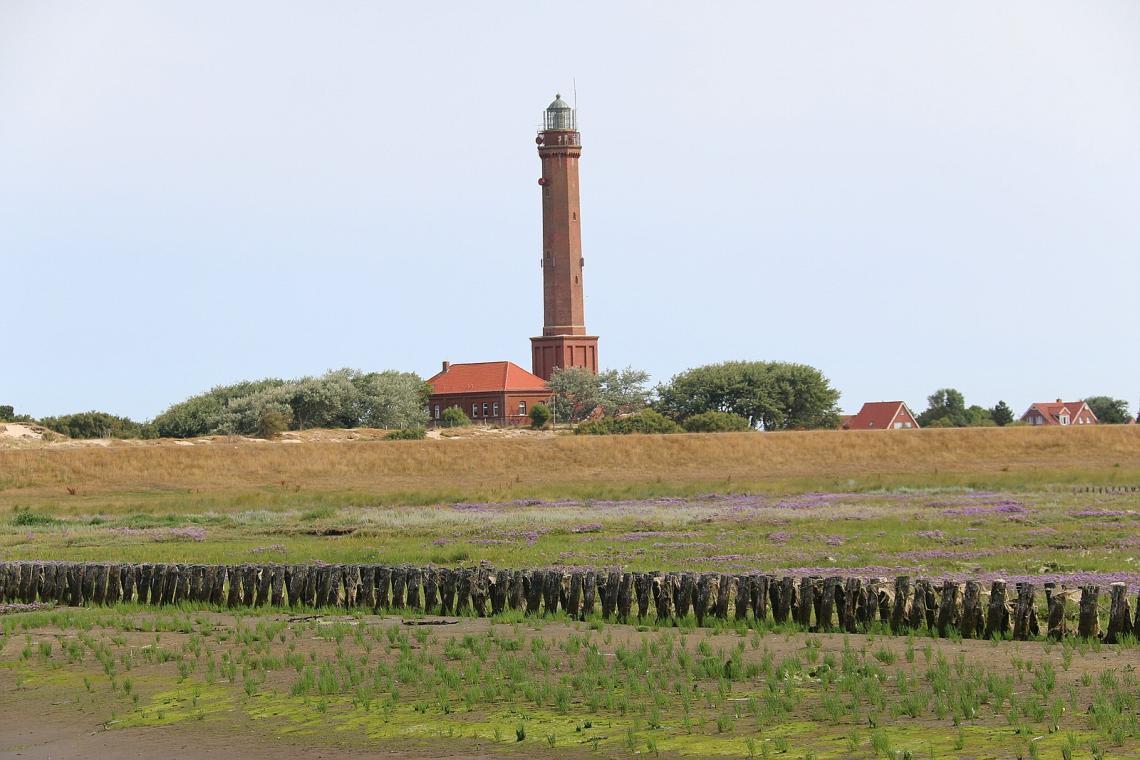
907 195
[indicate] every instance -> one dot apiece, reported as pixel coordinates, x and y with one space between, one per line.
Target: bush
406 434
716 422
539 416
95 425
340 398
453 416
271 423
25 518
646 421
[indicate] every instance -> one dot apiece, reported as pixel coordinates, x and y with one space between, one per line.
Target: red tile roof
1051 409
878 415
482 377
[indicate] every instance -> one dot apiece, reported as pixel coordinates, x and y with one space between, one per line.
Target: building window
437 411
495 409
522 408
474 410
484 408
1064 419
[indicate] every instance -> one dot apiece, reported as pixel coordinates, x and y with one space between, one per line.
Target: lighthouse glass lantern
559 117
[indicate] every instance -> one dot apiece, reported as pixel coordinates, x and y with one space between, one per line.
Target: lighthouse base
551 351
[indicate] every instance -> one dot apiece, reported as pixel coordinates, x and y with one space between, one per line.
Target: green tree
978 416
716 422
1001 414
947 407
576 393
1110 411
7 413
453 416
770 395
623 391
539 415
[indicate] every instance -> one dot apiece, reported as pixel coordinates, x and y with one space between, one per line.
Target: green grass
535 685
922 532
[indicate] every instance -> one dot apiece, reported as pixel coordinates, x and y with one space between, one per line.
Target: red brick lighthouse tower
564 342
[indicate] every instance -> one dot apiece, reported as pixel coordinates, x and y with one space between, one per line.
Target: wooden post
352 583
551 581
431 590
1136 621
477 580
1119 616
997 617
1088 624
574 599
1024 616
142 581
827 604
515 598
723 594
803 611
399 586
307 585
947 613
685 593
1056 624
701 598
383 575
446 591
99 592
589 590
624 597
415 578
641 583
918 605
758 596
659 588
249 581
900 613
971 623
854 600
743 597
46 589
498 591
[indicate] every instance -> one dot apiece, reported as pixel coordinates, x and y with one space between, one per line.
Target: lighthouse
564 341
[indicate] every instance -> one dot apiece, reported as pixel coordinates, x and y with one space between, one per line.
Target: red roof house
882 415
1060 413
494 392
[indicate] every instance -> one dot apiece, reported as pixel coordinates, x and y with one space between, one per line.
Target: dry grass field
267 475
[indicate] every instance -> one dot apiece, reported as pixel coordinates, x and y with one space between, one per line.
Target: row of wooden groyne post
834 603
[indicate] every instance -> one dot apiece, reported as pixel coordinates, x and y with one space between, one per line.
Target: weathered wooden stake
997 616
900 613
1119 615
1088 624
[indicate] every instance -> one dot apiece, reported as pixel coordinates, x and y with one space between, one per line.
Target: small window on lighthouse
574 215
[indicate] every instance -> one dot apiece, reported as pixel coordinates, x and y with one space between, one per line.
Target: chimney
1059 401
446 365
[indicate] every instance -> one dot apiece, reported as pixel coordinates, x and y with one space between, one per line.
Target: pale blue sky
907 195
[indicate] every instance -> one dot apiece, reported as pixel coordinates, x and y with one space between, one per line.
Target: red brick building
1059 413
499 393
882 415
564 342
